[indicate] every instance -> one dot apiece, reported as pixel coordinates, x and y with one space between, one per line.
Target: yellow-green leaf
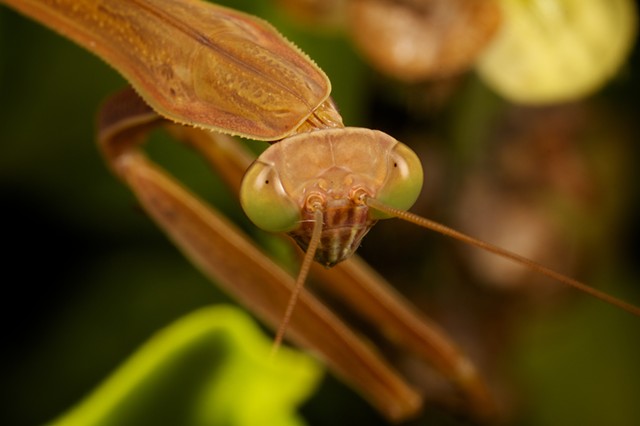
211 367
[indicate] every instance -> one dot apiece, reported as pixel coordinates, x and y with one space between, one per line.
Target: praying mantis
144 113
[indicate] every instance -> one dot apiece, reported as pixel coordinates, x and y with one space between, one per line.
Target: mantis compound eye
403 182
265 201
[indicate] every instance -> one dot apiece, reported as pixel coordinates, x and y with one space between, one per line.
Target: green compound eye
403 183
265 201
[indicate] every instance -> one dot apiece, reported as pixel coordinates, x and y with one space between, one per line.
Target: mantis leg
401 323
225 255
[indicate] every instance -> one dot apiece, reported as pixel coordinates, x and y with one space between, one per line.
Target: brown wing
196 63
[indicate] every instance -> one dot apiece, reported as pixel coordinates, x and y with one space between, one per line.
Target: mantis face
334 171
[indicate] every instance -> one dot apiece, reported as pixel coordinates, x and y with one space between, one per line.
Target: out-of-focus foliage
424 39
212 367
529 51
558 50
410 40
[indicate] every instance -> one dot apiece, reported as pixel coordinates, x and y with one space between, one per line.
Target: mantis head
333 172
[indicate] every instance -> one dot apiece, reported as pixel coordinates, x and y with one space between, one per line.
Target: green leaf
212 367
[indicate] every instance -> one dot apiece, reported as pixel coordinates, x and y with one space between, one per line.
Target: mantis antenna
300 280
435 226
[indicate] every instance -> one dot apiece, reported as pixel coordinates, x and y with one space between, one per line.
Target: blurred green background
87 278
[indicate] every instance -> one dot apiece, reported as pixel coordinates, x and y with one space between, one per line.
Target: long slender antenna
442 229
302 277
